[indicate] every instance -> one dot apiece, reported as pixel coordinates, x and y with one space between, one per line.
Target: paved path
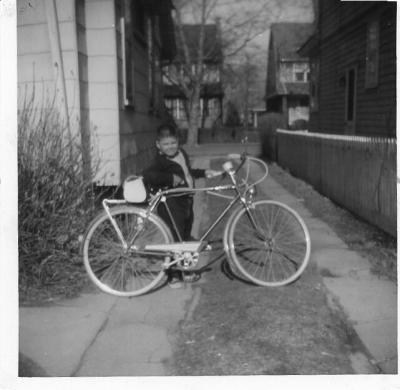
100 335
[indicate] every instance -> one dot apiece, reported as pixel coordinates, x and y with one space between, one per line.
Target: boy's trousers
181 208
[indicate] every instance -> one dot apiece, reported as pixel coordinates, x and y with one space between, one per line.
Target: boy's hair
166 130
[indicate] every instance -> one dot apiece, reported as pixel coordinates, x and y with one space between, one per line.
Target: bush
55 205
268 124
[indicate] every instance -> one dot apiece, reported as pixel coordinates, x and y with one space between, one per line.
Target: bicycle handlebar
244 157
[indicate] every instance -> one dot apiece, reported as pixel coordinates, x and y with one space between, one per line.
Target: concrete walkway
100 335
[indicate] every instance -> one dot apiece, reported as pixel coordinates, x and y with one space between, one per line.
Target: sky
261 12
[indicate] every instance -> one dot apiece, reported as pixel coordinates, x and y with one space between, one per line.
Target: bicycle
128 248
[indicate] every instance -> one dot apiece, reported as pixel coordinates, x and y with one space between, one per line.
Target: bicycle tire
121 272
277 252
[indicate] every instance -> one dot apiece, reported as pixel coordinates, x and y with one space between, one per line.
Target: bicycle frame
162 196
254 229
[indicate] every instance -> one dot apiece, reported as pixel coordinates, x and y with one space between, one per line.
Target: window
351 93
300 72
169 103
154 63
180 112
211 73
212 107
299 76
150 53
127 61
176 108
314 80
204 107
372 55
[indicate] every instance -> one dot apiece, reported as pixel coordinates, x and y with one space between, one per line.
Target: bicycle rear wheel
271 245
115 269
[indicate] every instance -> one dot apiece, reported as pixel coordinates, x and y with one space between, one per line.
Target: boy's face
168 145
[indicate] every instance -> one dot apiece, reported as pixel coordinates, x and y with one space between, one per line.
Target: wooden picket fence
356 172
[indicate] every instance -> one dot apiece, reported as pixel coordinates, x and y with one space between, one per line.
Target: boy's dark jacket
159 175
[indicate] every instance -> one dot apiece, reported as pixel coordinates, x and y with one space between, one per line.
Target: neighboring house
103 57
287 87
211 94
353 68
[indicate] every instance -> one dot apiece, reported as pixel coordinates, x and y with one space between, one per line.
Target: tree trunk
193 124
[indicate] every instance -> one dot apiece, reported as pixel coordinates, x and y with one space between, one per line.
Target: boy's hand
211 173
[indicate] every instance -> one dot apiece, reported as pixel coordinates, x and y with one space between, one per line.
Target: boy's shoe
175 280
190 277
175 283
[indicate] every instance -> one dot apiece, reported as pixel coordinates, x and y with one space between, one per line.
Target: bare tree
238 22
235 31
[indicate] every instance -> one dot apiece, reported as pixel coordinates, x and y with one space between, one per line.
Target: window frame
128 80
372 54
350 122
314 84
299 69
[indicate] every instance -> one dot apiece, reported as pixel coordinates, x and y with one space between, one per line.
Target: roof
212 42
287 38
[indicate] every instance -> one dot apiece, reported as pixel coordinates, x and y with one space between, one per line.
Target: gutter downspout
56 53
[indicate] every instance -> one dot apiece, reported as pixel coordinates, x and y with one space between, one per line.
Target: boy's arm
158 179
196 173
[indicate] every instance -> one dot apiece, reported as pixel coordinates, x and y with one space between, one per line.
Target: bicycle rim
118 271
276 251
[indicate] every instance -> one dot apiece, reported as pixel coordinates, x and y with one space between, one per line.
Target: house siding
36 73
102 87
343 45
137 124
121 139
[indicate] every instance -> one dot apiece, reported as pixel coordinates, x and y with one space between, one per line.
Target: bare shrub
55 203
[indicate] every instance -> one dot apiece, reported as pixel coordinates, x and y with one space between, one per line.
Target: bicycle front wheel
269 243
122 271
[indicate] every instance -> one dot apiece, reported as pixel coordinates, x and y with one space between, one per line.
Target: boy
171 168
